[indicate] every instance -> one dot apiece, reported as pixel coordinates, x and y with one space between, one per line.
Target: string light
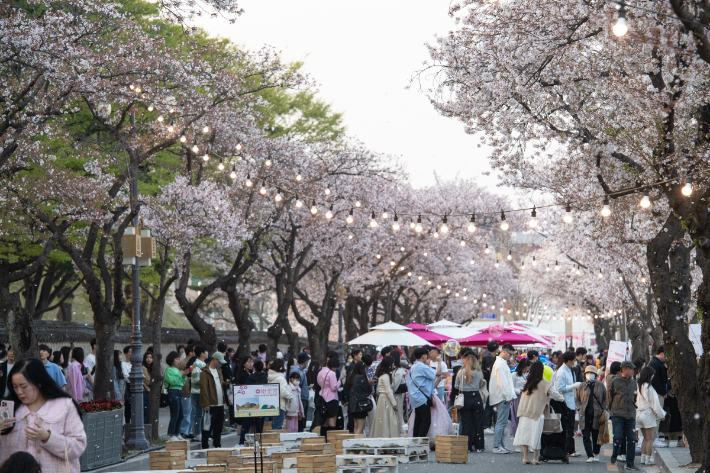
262 191
220 166
395 223
418 227
568 214
462 243
183 139
496 265
206 157
267 163
248 182
534 263
373 222
473 262
150 107
327 189
350 219
606 210
385 215
600 275
233 174
533 218
444 225
329 213
357 203
645 202
195 149
472 226
206 129
448 257
557 266
523 265
160 118
299 178
171 128
314 209
620 28
436 234
299 203
487 250
510 255
278 196
239 147
687 189
503 224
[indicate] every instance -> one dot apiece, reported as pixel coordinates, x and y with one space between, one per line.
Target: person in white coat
276 376
648 412
502 393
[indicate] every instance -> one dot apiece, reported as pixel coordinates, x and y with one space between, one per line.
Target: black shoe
632 468
191 436
613 459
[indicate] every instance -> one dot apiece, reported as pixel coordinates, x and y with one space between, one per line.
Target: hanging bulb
395 224
220 166
357 203
171 110
600 275
150 108
645 202
486 251
472 226
299 177
206 129
523 265
327 190
195 149
329 213
278 197
448 258
444 225
687 189
510 255
385 215
418 228
239 147
206 157
496 265
183 139
568 214
248 182
557 266
171 128
533 218
503 223
620 28
378 256
373 222
233 174
299 203
473 261
412 224
262 191
267 163
534 262
436 234
548 267
462 243
314 209
160 118
578 272
606 210
350 219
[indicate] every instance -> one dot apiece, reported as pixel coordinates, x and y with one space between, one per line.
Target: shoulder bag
429 401
483 391
552 423
459 401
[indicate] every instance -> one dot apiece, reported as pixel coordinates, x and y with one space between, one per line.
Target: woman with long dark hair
648 412
385 425
78 377
46 422
245 368
358 392
119 381
519 378
399 386
534 399
174 380
66 359
312 376
147 368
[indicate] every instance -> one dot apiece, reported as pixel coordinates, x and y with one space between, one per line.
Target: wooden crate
217 457
451 449
213 468
317 464
336 439
312 440
182 445
167 460
268 437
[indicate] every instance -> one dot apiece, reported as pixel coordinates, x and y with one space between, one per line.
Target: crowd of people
379 394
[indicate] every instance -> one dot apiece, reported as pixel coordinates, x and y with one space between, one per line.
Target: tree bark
240 311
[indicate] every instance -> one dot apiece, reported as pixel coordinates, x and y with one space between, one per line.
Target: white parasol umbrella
456 333
443 323
389 333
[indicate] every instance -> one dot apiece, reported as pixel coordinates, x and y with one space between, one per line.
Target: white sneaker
596 458
649 461
180 437
643 459
489 431
621 458
500 450
173 439
573 455
590 460
659 443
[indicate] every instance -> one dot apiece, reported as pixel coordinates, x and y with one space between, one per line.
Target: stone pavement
674 459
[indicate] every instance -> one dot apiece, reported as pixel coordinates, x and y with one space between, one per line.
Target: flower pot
104 437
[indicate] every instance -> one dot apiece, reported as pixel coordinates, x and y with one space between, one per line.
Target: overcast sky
363 54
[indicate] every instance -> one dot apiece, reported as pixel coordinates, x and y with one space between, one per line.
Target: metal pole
341 348
136 434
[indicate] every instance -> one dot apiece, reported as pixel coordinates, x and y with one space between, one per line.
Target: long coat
582 396
386 423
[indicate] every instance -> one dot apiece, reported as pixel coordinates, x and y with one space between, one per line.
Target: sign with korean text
617 352
256 400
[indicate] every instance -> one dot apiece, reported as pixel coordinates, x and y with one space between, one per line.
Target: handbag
207 422
483 391
365 405
552 423
459 400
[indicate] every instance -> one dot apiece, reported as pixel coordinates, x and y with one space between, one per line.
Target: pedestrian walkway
674 460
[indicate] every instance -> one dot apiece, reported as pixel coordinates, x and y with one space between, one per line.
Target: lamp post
136 434
342 294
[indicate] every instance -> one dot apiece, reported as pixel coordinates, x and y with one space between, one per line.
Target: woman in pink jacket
46 421
329 385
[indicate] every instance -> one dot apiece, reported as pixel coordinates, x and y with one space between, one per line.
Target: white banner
256 400
617 352
694 331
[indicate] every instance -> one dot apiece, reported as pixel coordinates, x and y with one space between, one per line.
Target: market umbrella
510 336
389 333
427 334
443 323
539 331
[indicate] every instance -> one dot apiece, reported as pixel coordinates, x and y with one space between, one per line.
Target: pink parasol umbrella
427 334
514 338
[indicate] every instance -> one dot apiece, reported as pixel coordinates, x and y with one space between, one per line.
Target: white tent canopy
443 323
456 333
403 338
389 326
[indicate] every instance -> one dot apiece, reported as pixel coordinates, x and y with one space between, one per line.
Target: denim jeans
196 414
501 423
278 422
186 425
624 428
175 404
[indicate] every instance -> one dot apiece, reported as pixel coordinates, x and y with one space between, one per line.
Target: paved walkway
674 459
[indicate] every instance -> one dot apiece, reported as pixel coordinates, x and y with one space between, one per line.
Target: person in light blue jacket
420 386
566 383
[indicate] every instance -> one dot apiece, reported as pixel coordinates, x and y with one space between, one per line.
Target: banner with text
617 352
256 400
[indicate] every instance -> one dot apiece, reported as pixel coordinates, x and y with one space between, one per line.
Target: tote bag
552 423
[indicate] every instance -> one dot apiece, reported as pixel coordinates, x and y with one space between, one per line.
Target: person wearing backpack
590 399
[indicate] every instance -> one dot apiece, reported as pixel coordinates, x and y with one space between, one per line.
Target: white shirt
501 388
646 398
126 368
90 362
444 370
218 385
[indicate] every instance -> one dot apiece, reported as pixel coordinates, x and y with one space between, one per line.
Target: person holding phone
46 421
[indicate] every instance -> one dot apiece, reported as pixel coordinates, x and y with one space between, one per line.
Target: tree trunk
240 311
206 331
349 315
20 325
105 327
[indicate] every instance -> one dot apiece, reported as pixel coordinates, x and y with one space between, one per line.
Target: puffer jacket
622 398
285 393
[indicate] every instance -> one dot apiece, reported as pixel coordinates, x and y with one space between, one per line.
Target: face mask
525 375
591 377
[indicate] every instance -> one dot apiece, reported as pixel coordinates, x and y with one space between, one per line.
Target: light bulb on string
687 189
436 234
523 265
496 265
385 215
557 266
534 263
299 178
329 213
278 197
327 190
160 118
418 228
578 272
267 163
503 224
238 147
472 226
412 224
233 174
510 255
206 157
350 219
183 139
171 128
645 202
444 225
600 275
220 166
462 243
487 250
395 223
448 257
420 278
195 149
357 203
373 221
606 210
378 256
473 261
206 129
621 28
314 209
533 218
568 214
262 191
248 182
299 203
150 108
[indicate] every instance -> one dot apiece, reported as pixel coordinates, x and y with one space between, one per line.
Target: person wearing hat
590 399
300 367
212 399
622 410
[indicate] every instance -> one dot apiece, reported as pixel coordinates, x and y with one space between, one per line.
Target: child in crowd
294 412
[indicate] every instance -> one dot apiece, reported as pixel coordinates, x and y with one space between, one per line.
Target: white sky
362 54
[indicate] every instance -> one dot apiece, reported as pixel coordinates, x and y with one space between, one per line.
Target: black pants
589 437
568 426
217 421
471 419
422 420
489 415
302 422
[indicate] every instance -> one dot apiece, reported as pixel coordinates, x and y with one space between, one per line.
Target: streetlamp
342 294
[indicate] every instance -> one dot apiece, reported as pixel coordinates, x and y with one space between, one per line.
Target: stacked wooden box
279 457
181 445
316 464
336 439
167 460
212 468
451 449
315 446
247 467
268 437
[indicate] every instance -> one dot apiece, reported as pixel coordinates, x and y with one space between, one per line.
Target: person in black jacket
581 355
259 376
488 358
358 393
659 383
